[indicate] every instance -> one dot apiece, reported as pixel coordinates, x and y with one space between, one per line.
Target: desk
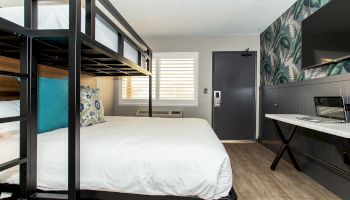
340 130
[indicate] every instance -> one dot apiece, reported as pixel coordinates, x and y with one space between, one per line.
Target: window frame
165 103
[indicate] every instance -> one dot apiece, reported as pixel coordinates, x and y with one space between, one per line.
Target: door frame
256 92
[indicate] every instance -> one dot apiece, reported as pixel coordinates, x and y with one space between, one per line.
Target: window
174 81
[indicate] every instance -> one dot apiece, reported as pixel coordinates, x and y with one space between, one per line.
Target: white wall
205 46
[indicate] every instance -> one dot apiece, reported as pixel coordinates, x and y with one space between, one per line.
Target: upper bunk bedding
57 17
150 156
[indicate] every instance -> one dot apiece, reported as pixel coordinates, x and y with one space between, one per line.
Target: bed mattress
150 156
57 17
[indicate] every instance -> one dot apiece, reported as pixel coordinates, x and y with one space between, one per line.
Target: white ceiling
166 18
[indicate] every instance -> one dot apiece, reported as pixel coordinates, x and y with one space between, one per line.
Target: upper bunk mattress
150 156
57 17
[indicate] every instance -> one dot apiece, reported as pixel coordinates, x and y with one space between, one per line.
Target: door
234 79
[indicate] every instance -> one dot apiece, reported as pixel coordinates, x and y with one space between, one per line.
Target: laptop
328 110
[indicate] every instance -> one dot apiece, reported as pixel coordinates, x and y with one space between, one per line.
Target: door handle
217 99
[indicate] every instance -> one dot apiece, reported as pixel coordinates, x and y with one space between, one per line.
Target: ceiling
167 18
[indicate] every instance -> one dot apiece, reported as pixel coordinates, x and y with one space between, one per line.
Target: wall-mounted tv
326 35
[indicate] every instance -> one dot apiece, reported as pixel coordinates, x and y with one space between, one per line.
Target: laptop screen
330 107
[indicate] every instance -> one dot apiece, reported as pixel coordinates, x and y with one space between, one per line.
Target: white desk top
341 129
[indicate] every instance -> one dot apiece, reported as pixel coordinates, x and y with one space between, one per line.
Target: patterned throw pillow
91 108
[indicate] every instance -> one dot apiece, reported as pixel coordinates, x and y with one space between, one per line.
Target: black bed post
149 67
74 100
28 99
90 14
121 44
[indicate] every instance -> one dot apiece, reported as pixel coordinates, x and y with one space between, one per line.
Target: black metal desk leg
346 154
294 161
278 156
346 159
284 147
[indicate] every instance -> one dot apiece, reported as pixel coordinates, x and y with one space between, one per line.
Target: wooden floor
253 178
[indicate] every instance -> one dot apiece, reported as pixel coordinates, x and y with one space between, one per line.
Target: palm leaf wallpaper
281 46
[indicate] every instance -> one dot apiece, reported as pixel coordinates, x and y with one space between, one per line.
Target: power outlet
347 107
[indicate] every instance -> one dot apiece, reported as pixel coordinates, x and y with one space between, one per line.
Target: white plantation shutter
177 73
136 87
174 81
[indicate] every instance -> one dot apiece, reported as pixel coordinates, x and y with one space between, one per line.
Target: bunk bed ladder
74 60
25 79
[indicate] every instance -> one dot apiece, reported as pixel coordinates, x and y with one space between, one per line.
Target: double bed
147 156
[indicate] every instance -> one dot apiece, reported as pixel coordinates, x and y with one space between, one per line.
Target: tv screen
326 34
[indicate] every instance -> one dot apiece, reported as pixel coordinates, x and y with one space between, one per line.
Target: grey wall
205 46
298 98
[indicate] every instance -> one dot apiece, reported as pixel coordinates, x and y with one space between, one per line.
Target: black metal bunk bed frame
77 53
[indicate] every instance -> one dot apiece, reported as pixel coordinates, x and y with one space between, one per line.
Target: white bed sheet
57 17
152 156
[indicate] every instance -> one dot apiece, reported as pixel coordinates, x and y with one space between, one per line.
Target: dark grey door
234 78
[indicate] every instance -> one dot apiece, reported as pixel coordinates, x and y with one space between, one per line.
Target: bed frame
78 53
89 194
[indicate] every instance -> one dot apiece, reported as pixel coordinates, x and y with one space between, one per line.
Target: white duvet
151 156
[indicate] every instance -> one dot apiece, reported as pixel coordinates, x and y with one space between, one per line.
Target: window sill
157 105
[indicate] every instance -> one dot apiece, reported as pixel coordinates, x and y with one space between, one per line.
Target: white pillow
9 109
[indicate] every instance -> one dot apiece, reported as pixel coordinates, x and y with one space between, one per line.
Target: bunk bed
78 52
